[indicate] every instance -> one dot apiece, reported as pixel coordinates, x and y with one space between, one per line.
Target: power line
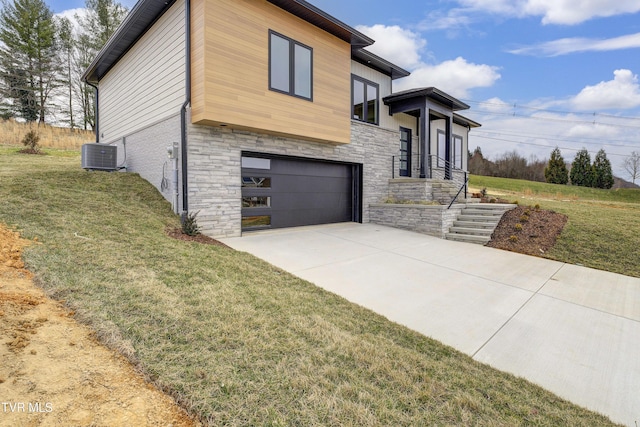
516 106
580 140
557 120
545 146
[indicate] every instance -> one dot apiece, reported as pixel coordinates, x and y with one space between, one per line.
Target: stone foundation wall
214 168
432 220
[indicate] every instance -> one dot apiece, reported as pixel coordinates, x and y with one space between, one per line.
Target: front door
405 152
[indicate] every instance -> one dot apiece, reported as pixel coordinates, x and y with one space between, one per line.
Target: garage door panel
303 192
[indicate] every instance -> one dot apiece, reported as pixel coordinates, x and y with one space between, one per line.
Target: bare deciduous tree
632 165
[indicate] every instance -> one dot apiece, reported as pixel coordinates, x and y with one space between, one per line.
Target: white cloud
577 44
566 12
455 77
623 92
407 49
396 44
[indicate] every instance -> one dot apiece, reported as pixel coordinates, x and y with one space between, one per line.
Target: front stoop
477 221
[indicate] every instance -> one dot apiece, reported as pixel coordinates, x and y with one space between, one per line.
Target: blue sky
536 73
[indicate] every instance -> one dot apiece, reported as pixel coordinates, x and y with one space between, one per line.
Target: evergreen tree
67 45
556 170
581 171
602 175
28 56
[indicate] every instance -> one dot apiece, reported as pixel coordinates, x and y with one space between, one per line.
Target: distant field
12 132
603 230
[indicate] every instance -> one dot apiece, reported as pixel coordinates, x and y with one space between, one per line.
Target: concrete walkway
572 330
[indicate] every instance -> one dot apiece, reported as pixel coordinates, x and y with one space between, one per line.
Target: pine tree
28 56
581 171
67 45
602 175
556 170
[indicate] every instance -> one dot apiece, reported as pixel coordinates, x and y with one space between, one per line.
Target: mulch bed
540 229
177 233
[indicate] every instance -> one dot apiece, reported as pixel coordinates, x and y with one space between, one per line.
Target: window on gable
290 66
364 100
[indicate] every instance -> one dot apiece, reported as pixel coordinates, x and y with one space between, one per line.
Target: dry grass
238 341
12 132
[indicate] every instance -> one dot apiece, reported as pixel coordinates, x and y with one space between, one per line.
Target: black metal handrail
464 185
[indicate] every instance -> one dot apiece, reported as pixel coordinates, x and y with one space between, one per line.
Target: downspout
183 110
97 111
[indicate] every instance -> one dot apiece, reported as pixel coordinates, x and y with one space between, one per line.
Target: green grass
602 231
234 339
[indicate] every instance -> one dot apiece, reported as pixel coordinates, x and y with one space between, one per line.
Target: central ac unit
99 157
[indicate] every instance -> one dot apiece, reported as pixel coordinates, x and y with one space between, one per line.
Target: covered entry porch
442 134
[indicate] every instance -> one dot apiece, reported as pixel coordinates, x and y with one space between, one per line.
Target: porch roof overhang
146 12
371 60
410 98
463 121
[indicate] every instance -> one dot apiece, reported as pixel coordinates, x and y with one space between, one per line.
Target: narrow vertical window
442 147
457 151
290 66
365 100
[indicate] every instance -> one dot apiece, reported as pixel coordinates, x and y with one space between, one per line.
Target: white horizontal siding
148 84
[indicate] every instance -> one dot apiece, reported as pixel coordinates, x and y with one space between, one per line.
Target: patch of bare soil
528 230
177 233
54 372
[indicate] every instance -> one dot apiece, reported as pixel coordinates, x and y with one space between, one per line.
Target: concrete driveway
572 330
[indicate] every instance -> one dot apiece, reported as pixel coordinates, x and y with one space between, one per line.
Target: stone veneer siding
432 220
214 170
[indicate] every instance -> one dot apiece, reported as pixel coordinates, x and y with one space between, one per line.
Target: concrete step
475 224
468 238
482 212
479 218
475 231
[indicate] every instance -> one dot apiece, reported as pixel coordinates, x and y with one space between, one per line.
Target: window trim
292 67
454 139
366 83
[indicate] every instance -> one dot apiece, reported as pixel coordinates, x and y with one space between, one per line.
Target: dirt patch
528 230
54 372
177 233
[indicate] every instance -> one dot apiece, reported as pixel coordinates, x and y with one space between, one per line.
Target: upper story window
290 66
364 100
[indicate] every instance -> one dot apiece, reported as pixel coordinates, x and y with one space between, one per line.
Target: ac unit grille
99 157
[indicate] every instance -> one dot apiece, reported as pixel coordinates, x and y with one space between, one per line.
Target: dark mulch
540 229
177 233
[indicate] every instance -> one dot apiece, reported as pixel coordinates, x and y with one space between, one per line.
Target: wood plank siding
230 73
148 84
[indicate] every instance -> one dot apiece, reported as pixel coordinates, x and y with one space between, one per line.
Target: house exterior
275 113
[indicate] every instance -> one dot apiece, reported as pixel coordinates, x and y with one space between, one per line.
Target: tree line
42 59
581 172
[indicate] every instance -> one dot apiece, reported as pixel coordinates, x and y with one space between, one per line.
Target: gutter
96 110
183 110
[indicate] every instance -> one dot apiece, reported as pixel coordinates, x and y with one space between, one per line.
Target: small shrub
524 218
518 227
527 212
31 142
515 202
492 200
537 207
190 225
513 238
